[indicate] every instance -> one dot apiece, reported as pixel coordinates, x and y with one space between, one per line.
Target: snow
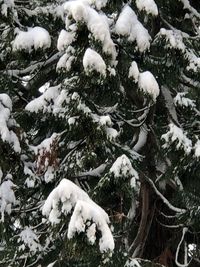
112 134
148 84
42 103
7 197
72 197
174 38
6 101
96 23
36 38
96 3
132 263
129 26
194 61
147 5
176 135
29 239
65 39
134 71
8 4
122 167
183 101
105 120
5 119
93 61
88 211
65 62
72 121
197 149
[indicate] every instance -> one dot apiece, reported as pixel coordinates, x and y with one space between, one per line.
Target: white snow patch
147 5
96 23
96 3
93 61
181 100
42 103
36 38
148 84
7 197
29 239
73 197
105 120
112 133
174 38
134 71
197 149
7 4
5 118
176 135
123 167
129 26
132 263
194 61
65 62
65 39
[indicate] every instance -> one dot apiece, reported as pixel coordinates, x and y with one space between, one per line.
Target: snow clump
36 38
5 120
148 84
176 134
7 196
77 201
128 25
147 5
93 61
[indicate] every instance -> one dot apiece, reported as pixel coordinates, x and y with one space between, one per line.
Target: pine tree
99 133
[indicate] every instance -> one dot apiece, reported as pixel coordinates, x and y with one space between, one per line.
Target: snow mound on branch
29 239
132 263
181 100
7 4
65 62
85 211
65 39
176 135
148 84
93 61
197 149
129 26
194 61
134 71
50 101
147 5
174 38
123 167
72 197
97 3
5 113
36 38
96 23
7 197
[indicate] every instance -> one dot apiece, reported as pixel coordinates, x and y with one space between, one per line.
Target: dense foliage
99 133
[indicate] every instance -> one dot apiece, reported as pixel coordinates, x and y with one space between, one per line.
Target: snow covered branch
74 200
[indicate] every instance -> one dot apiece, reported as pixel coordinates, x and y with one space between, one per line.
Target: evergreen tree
99 133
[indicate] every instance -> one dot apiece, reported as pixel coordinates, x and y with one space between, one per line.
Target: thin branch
170 206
